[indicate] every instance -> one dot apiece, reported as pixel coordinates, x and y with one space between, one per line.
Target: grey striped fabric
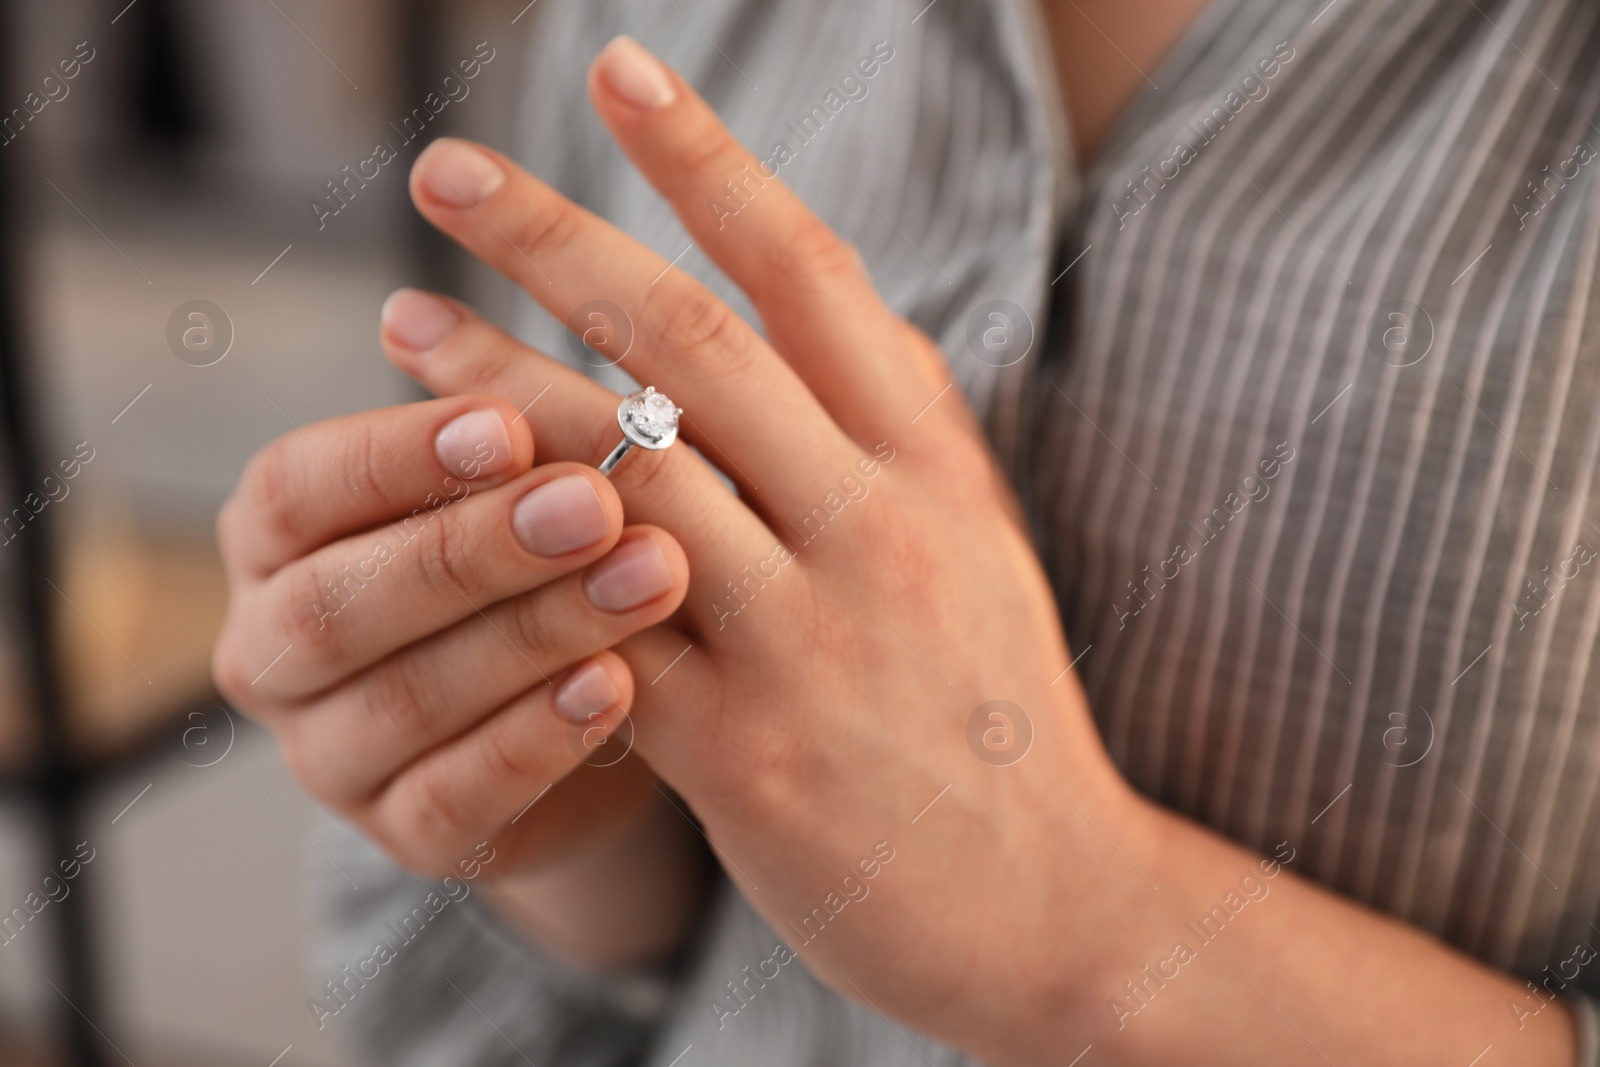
1418 540
1310 438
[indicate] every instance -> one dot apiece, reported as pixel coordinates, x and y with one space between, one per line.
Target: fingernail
457 173
417 320
586 693
474 445
560 517
635 75
632 574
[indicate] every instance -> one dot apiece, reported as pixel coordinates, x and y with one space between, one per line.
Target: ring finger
690 344
574 418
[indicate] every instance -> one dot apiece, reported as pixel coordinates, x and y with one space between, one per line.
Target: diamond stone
649 419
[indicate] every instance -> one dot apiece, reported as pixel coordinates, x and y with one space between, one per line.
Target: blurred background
169 301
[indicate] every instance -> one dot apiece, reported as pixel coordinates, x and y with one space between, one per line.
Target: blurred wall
178 166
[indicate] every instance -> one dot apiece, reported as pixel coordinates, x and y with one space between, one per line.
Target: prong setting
648 418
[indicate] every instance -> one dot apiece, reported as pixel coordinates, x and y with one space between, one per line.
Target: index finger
338 477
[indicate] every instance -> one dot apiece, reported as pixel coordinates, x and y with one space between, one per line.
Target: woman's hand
819 699
424 622
849 612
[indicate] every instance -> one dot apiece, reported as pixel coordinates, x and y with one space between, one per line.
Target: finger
471 787
348 605
687 342
334 478
677 697
810 287
441 686
574 418
549 818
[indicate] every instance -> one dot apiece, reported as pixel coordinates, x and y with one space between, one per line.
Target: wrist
1166 884
1132 875
1099 915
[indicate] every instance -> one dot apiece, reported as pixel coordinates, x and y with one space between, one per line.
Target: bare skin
1105 52
1008 921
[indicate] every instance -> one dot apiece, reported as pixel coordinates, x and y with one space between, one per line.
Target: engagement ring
648 419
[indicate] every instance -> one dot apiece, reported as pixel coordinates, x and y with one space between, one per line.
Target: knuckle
397 698
486 360
506 760
697 330
308 617
444 559
264 499
530 628
432 814
713 154
368 461
812 252
549 229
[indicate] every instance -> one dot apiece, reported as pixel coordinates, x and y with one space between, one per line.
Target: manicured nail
417 320
560 517
474 445
457 173
586 694
633 574
635 75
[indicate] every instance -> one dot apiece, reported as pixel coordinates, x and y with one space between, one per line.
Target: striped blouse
1299 384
